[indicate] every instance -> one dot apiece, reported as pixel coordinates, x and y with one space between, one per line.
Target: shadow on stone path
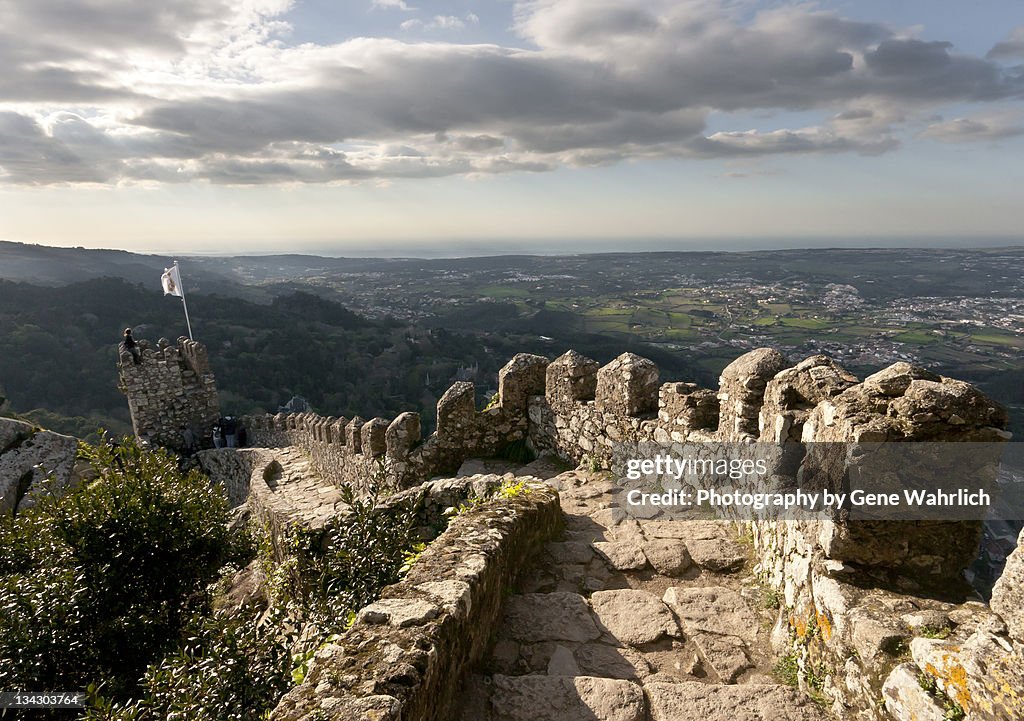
627 620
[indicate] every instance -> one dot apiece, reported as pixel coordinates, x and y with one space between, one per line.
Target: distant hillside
58 352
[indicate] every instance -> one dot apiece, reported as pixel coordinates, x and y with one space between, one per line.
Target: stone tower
172 386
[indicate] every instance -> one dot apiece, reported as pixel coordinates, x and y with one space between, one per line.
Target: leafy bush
96 584
232 668
344 566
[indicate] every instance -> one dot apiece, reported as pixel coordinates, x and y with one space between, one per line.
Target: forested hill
58 350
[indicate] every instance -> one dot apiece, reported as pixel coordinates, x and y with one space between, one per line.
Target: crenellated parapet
170 388
360 451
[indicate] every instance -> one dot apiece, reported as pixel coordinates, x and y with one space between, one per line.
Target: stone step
565 698
710 702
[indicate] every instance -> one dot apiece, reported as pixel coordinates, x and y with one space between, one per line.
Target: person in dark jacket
129 344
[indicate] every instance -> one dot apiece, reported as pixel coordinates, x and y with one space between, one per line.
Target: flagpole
184 304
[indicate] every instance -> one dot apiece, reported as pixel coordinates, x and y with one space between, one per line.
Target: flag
171 281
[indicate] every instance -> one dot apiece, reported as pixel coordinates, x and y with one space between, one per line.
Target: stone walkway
627 620
293 492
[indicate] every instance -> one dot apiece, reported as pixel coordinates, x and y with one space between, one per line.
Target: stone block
627 386
372 437
456 411
403 434
569 378
353 435
522 377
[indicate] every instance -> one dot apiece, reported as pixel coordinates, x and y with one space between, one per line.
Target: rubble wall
406 654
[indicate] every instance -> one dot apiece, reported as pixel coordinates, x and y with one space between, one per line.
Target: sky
455 126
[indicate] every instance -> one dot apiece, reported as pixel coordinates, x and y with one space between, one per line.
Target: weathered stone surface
570 552
622 555
563 663
520 378
668 556
720 555
627 386
633 617
402 434
707 702
33 462
875 634
906 700
741 392
399 612
571 377
559 698
562 616
726 655
1008 594
712 609
793 393
984 675
599 659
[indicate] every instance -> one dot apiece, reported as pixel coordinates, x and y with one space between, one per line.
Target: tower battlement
171 386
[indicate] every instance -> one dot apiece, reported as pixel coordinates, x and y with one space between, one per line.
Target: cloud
969 130
441 22
1010 49
212 90
393 5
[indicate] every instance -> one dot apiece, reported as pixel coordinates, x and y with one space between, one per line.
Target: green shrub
97 584
232 668
342 567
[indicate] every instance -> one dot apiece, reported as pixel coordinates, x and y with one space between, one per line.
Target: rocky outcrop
34 462
1008 594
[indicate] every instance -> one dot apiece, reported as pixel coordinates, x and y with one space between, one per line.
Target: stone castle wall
876 614
172 387
872 611
358 451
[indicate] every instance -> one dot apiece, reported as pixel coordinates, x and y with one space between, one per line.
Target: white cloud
393 5
441 22
210 89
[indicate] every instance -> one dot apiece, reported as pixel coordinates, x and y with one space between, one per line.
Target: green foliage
231 668
940 632
952 710
96 584
771 597
787 669
342 567
512 489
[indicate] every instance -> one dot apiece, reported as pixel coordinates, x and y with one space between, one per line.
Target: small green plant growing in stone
952 710
896 647
787 669
512 489
939 632
771 597
493 402
591 463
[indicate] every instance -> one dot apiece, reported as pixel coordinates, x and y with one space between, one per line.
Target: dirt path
633 620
